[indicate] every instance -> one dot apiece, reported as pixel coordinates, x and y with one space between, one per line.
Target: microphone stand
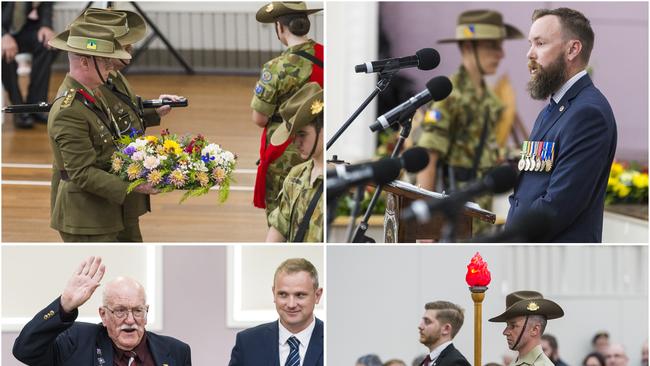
358 197
391 68
360 233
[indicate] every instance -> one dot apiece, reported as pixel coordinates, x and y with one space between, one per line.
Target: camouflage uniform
453 127
295 196
280 78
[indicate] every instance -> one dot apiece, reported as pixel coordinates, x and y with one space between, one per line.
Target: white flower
151 162
138 156
211 150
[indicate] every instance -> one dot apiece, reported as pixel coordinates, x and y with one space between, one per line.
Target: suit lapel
104 351
541 127
159 352
315 349
273 347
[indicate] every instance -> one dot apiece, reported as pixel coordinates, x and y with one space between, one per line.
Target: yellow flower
117 164
172 146
154 177
623 190
177 178
218 174
617 169
611 182
640 180
133 171
203 179
153 139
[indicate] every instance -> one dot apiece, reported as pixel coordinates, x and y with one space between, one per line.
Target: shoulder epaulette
68 98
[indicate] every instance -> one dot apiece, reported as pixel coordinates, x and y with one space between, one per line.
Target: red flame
477 272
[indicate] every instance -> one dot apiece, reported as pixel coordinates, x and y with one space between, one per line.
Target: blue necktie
294 354
548 110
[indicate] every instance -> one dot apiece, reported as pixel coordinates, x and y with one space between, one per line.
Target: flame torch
478 277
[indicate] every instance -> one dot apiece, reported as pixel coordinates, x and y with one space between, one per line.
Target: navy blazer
450 356
47 340
583 127
260 346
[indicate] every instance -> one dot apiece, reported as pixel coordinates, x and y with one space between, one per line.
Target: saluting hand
82 284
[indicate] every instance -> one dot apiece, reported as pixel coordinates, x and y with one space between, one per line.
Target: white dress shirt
557 96
303 336
436 352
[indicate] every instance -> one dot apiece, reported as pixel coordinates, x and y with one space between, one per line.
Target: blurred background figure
550 347
594 359
26 28
394 362
616 355
600 342
369 360
644 354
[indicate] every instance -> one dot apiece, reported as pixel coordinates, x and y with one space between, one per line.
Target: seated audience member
594 359
600 342
550 348
369 360
615 355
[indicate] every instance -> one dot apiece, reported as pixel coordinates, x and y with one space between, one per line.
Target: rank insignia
316 107
469 31
91 44
266 76
532 306
259 89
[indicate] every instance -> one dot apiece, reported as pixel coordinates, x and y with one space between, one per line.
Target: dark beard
548 80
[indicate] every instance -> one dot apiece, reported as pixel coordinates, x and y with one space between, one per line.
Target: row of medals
532 162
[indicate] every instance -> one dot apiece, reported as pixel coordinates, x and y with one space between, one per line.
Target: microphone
341 177
497 180
424 59
437 89
531 227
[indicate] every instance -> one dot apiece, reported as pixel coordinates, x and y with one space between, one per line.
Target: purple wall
194 290
619 59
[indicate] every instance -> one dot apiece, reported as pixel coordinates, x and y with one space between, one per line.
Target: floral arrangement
628 183
169 163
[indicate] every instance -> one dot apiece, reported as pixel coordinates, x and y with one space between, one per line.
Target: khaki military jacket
535 357
279 80
296 194
123 103
453 126
88 199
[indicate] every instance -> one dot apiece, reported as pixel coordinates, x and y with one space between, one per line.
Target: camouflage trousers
278 170
480 227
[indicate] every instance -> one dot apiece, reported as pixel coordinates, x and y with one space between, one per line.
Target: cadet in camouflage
303 116
459 132
279 80
88 201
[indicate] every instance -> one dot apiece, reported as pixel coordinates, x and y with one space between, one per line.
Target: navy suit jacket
450 356
48 340
259 346
583 127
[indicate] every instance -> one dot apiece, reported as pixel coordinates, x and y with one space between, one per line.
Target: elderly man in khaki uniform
88 203
129 28
526 315
299 215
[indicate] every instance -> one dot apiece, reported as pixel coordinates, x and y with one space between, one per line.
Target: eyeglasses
121 313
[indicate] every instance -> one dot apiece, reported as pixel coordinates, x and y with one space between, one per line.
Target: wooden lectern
400 195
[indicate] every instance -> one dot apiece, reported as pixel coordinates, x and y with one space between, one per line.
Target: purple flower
129 150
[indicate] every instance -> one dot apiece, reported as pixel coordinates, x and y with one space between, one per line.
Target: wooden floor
218 108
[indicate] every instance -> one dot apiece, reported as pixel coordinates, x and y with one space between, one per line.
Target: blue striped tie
294 355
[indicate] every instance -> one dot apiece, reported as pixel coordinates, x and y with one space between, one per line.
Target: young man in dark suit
440 323
54 338
566 162
296 339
